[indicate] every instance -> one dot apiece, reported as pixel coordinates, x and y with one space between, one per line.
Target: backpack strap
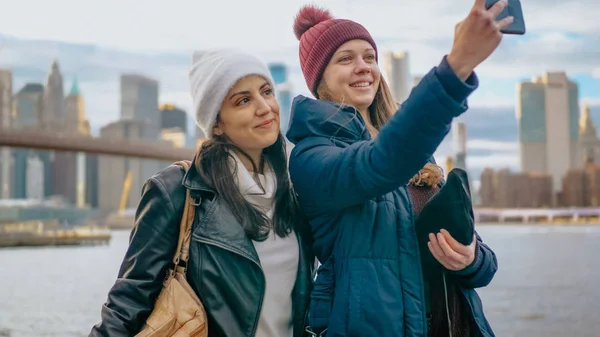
185 227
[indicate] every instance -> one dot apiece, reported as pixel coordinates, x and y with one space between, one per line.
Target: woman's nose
263 107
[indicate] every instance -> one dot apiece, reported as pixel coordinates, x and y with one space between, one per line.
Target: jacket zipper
244 255
412 221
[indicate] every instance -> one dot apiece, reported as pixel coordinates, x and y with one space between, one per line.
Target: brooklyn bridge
43 140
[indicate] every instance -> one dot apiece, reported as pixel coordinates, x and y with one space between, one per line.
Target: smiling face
249 115
352 76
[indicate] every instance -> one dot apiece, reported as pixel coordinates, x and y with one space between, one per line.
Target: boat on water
121 220
48 223
36 233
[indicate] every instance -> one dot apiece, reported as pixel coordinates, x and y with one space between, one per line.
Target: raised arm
329 178
152 245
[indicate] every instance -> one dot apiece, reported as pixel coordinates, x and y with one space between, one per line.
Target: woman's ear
217 128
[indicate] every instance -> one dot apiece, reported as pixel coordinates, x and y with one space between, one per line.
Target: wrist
472 267
461 69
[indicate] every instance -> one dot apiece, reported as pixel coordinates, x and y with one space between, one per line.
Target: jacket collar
320 118
193 182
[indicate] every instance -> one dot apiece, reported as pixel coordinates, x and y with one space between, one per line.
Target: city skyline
492 131
94 64
97 57
564 36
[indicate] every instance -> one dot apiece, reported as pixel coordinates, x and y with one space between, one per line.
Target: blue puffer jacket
353 189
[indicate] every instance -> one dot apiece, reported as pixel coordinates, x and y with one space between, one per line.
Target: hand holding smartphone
479 34
517 27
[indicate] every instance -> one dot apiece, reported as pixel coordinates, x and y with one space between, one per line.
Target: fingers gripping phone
513 9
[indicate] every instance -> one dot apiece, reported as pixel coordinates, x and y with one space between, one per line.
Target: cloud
491 145
98 70
593 101
490 98
517 59
517 56
564 36
181 98
494 160
572 16
555 51
482 153
158 25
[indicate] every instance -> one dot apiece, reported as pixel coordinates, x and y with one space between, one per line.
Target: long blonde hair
380 112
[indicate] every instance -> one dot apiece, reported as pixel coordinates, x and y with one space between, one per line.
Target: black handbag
448 207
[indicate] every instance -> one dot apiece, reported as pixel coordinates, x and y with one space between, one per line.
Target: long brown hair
380 111
212 163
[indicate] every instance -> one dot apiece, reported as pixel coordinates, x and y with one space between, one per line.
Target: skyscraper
588 138
172 116
68 176
397 74
30 182
459 147
5 123
54 120
139 103
459 144
283 92
112 170
28 105
416 80
279 72
34 186
91 181
548 123
54 115
173 125
284 97
75 112
79 126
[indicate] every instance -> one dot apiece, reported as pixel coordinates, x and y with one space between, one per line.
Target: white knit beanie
213 74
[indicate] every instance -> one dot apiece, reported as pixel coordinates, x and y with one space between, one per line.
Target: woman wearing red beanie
356 150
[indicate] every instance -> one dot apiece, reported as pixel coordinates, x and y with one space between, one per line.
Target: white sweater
278 257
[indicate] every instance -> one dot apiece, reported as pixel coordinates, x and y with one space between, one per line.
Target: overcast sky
562 35
156 37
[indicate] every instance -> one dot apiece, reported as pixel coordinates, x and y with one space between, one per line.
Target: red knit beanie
320 36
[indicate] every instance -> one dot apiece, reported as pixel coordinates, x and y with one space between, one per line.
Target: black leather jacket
224 268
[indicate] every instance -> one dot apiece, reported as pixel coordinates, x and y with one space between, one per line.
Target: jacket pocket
375 298
321 297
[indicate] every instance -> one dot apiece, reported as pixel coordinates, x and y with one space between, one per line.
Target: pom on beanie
308 17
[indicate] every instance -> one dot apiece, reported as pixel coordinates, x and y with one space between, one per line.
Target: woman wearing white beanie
250 261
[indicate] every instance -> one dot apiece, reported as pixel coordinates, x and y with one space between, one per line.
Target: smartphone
513 9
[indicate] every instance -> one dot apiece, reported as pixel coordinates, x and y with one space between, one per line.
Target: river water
545 285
